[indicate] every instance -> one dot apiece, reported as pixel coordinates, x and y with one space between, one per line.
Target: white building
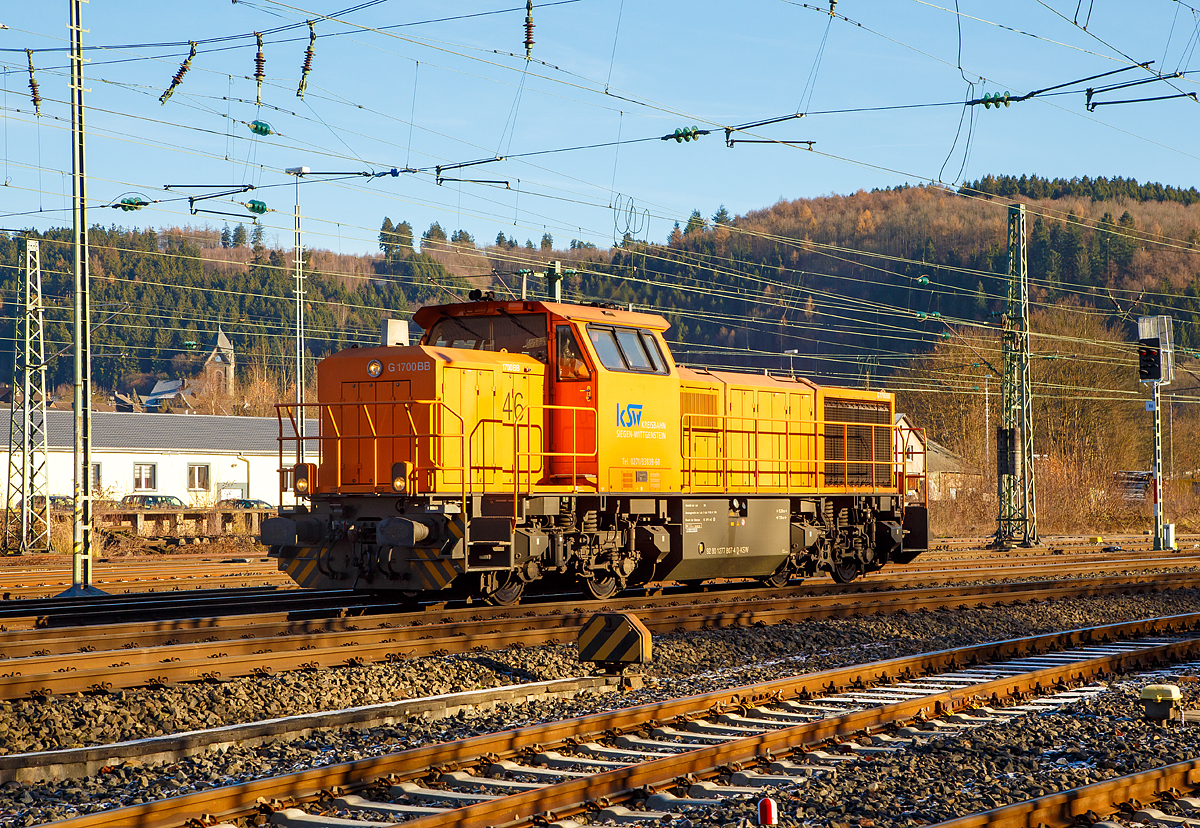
199 458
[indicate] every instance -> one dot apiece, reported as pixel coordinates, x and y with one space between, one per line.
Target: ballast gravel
943 778
684 664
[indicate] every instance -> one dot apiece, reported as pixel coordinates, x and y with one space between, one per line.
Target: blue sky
383 95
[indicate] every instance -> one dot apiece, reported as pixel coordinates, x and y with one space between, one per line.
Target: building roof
221 342
941 459
125 431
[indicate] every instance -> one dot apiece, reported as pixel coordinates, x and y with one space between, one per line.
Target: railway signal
1150 359
1156 366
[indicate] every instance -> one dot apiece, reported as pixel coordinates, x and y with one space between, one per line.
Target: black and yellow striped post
614 640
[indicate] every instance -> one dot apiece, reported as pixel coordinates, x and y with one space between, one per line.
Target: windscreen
515 333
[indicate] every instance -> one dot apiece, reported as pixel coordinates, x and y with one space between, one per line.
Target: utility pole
81 533
554 277
1014 438
27 509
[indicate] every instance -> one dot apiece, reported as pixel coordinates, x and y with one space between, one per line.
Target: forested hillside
901 287
158 295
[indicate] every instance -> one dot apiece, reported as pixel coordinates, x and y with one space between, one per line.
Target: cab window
513 333
633 350
569 356
605 343
656 355
627 349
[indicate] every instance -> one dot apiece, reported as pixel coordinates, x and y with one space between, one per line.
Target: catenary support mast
81 535
1016 489
27 506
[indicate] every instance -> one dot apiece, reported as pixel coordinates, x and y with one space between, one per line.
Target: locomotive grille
700 402
853 444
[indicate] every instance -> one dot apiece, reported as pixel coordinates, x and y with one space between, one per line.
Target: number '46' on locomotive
526 441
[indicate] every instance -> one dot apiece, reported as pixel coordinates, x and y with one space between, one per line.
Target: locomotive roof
426 316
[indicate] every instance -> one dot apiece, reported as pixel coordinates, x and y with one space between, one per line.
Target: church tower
219 364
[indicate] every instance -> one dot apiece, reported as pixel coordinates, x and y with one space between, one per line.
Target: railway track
41 663
51 612
640 763
216 607
37 577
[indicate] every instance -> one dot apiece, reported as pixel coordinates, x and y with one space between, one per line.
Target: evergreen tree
529 244
722 217
462 238
695 222
404 240
226 237
257 235
239 236
387 238
501 239
433 238
1125 244
547 241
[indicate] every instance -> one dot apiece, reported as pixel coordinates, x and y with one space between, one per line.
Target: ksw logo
629 416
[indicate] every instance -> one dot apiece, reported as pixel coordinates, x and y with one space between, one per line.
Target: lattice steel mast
27 507
1016 489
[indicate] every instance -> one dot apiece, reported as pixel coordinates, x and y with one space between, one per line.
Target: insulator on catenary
34 95
260 128
131 203
178 79
258 207
260 63
308 56
528 28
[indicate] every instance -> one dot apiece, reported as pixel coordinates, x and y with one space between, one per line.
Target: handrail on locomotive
812 471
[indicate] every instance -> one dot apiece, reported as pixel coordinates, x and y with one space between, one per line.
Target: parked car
151 501
56 502
243 503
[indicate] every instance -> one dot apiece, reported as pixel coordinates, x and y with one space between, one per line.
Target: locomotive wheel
509 594
845 570
603 587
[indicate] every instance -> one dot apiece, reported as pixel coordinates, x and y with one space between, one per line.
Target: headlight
374 368
304 478
400 473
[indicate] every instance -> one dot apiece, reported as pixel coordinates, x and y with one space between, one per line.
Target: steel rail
42 612
46 675
568 797
410 625
1103 798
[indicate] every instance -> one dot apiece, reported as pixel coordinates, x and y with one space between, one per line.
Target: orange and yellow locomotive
528 441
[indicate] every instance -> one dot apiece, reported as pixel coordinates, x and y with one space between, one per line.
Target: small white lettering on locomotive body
401 367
